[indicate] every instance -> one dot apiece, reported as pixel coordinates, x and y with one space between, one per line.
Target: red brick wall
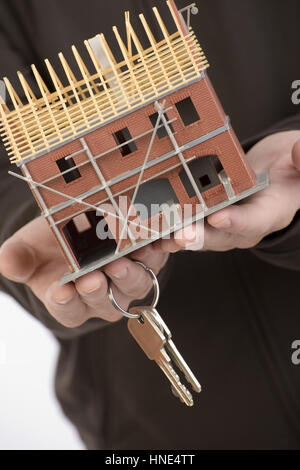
113 164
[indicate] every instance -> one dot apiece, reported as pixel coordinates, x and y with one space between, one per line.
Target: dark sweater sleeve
281 248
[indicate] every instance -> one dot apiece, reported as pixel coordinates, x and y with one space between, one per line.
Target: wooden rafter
44 121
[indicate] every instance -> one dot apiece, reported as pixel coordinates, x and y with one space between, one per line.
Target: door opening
81 234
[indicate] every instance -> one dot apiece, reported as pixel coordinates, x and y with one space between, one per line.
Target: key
154 337
175 354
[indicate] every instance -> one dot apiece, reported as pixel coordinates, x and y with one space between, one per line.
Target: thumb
296 155
17 261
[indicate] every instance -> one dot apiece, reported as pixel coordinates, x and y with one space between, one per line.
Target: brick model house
149 128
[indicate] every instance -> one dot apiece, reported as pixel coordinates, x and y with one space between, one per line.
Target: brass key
154 337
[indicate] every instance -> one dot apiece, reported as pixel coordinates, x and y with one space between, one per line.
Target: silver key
154 338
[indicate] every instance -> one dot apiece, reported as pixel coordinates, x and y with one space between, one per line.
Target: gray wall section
205 172
155 192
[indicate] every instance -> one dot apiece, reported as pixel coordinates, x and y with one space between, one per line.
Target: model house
113 135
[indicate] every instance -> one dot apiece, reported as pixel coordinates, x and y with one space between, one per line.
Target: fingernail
63 301
21 279
94 286
121 274
223 223
189 233
59 298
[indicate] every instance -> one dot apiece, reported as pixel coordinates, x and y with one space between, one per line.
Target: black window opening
187 111
205 180
123 136
161 131
65 165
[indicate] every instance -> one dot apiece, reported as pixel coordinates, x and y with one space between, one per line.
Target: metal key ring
155 299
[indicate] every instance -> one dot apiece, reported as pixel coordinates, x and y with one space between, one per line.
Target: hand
32 256
24 259
246 224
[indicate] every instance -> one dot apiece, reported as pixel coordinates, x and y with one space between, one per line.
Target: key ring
155 299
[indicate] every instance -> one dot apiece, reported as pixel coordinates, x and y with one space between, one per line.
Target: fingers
92 288
130 279
191 237
65 305
152 257
167 245
187 238
217 240
72 305
17 261
296 155
93 291
251 221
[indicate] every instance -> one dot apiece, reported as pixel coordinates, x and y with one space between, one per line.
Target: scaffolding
111 198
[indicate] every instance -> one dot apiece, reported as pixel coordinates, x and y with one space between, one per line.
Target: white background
30 417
